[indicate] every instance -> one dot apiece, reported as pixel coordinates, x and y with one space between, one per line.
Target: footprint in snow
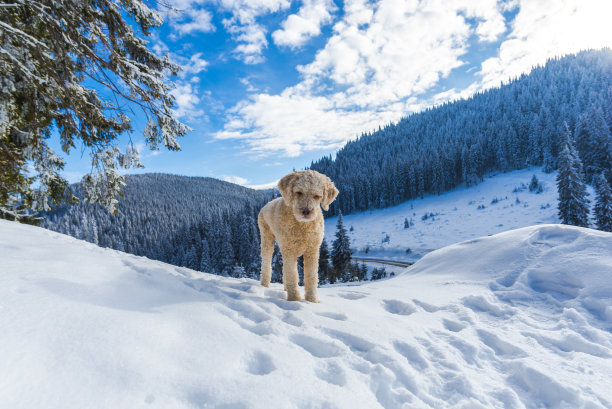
499 346
259 363
479 303
453 326
291 319
249 311
352 295
427 307
412 354
331 372
334 315
317 347
355 343
398 307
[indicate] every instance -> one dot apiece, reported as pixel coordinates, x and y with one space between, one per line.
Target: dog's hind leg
290 275
267 250
311 275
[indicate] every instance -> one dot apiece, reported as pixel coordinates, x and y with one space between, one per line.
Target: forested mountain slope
201 223
519 124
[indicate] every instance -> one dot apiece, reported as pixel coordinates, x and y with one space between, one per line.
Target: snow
457 216
521 319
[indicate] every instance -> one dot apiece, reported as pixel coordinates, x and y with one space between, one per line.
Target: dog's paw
311 297
294 296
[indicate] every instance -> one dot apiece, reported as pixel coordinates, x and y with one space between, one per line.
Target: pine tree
324 269
277 265
593 140
533 185
603 205
205 264
341 250
51 52
573 202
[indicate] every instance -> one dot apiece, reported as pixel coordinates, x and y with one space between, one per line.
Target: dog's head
304 190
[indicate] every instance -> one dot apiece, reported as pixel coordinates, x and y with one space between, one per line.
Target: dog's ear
285 186
329 193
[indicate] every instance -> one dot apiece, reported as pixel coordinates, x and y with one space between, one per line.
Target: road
381 261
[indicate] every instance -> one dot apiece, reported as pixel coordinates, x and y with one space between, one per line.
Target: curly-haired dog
295 221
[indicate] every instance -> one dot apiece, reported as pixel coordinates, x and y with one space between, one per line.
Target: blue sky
270 85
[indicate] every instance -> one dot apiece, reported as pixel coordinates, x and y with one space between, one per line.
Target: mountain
202 223
521 319
516 125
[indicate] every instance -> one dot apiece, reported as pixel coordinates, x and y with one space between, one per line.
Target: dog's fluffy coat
295 221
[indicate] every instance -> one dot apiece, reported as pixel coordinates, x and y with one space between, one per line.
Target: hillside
521 319
501 202
175 219
521 123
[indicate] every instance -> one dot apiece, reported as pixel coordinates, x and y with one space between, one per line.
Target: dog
295 221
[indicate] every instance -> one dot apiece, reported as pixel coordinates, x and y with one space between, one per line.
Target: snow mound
516 320
552 265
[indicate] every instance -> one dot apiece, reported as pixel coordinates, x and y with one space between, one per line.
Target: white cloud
298 28
548 28
190 17
264 186
250 35
187 100
235 179
195 65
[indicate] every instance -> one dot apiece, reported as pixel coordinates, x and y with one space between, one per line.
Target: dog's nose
306 211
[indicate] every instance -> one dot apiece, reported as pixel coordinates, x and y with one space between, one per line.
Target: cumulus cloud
298 28
243 25
190 17
545 29
192 66
187 101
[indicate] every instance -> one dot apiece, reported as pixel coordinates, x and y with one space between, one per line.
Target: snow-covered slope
521 319
460 214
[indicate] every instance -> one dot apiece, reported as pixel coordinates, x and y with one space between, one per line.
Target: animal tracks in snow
398 307
433 368
317 347
259 363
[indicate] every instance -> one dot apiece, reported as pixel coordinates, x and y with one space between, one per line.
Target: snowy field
521 319
457 216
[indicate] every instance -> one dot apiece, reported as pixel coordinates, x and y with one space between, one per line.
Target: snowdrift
521 319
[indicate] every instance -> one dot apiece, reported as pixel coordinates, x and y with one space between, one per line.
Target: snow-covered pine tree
533 185
277 265
573 202
592 137
603 205
74 69
324 262
341 250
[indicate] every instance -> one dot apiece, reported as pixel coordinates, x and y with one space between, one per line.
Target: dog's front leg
311 275
290 276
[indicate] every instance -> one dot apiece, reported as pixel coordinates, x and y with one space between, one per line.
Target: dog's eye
298 193
317 197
